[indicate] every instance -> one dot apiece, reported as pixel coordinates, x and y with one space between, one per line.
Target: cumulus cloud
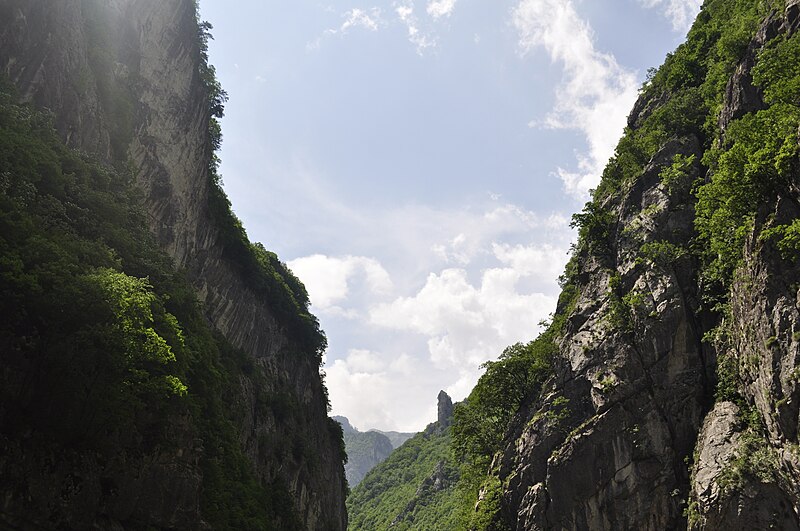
544 263
680 12
382 390
595 94
441 8
469 235
489 283
328 279
467 323
427 322
368 19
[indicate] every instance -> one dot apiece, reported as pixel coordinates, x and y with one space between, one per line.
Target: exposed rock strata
444 408
758 486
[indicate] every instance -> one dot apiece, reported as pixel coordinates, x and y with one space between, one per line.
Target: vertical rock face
122 79
748 477
628 435
629 403
444 410
754 505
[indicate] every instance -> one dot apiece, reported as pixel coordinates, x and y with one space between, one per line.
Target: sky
416 164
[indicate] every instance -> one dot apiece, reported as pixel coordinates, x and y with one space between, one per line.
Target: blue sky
416 163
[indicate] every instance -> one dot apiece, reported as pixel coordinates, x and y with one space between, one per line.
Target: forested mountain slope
417 487
364 450
665 392
158 369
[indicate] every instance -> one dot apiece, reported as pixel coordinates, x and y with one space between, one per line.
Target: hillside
364 451
415 487
396 438
160 370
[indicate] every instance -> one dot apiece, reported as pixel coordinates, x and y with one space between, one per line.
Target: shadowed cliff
128 83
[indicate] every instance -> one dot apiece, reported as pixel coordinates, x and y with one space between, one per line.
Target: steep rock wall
745 476
632 431
122 80
613 456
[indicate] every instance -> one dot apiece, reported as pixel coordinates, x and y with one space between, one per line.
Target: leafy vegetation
480 422
486 517
749 173
676 178
102 342
754 460
394 491
661 253
73 316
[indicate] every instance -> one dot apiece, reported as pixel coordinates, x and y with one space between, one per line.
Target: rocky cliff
673 398
127 81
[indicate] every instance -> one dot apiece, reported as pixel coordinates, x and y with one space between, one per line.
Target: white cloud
368 19
358 18
364 361
440 8
328 279
432 324
423 38
405 12
383 391
543 262
474 233
468 323
595 94
680 12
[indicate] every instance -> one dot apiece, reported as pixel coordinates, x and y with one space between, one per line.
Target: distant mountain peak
345 422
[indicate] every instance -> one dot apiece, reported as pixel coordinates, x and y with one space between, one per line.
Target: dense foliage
480 422
103 345
393 494
95 345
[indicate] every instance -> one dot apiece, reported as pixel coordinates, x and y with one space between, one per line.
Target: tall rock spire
445 410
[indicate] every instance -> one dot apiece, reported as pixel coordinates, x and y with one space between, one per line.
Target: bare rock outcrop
627 434
605 448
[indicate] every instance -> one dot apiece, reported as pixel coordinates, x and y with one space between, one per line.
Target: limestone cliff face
122 79
613 456
629 433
